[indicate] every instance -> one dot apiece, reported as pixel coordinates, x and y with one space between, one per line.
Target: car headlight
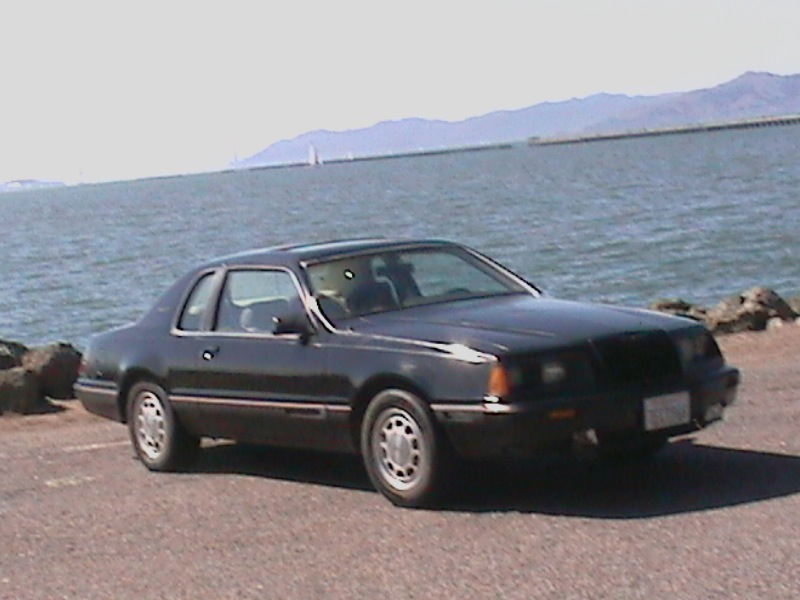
553 372
570 370
528 376
695 345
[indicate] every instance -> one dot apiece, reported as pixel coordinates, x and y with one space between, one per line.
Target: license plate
665 411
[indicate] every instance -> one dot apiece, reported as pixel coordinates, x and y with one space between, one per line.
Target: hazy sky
116 90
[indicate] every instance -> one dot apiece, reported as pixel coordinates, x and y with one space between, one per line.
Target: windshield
380 282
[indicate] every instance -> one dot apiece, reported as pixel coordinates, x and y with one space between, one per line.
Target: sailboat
313 156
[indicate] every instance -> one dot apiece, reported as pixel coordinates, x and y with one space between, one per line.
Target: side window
195 307
252 299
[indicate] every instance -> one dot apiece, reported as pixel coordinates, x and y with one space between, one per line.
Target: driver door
255 385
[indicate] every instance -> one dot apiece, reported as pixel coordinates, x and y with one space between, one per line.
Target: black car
413 353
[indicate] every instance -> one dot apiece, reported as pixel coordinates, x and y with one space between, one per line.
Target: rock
794 304
7 360
56 367
730 316
11 354
769 299
751 311
20 392
680 308
776 323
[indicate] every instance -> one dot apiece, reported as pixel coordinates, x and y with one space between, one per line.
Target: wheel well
368 391
131 378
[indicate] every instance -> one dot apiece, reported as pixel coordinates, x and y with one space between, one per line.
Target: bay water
698 216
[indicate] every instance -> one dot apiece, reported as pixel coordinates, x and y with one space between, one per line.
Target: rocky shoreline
31 377
756 309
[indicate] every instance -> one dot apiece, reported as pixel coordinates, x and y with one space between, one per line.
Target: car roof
319 251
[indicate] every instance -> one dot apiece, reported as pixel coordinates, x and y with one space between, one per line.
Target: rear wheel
158 438
406 458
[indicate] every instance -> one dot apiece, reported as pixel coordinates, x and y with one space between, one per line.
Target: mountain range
751 95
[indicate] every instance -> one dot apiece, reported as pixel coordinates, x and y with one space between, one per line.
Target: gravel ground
713 516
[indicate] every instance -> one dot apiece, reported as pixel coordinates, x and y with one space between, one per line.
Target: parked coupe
412 353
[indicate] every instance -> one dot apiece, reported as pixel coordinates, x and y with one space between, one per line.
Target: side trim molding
485 408
298 408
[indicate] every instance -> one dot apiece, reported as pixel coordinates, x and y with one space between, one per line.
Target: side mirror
293 323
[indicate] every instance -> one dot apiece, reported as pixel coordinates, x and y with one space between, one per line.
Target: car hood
513 323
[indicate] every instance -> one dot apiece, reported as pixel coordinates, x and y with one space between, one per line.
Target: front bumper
523 428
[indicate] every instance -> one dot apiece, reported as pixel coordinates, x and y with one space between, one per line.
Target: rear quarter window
196 304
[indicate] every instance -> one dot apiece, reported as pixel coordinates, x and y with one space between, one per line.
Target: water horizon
698 216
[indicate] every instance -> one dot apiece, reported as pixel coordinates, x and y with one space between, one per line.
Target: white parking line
70 481
97 446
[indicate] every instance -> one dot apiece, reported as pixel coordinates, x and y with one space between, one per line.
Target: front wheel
407 459
158 438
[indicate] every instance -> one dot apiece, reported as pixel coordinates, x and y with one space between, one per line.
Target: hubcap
151 429
399 449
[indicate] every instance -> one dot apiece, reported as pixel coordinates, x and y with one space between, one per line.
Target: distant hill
27 184
751 95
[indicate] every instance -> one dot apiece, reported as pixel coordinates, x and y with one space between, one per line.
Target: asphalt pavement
713 516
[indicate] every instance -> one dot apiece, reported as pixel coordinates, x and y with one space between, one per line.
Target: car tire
622 447
158 438
407 459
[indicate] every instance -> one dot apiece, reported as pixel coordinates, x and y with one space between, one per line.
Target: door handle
210 353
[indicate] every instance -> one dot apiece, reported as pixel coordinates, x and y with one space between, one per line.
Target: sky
109 90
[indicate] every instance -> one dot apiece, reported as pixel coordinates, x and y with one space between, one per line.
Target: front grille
637 357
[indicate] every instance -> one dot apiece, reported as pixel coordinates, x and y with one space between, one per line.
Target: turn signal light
499 385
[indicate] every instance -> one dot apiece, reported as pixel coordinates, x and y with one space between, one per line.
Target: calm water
696 216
